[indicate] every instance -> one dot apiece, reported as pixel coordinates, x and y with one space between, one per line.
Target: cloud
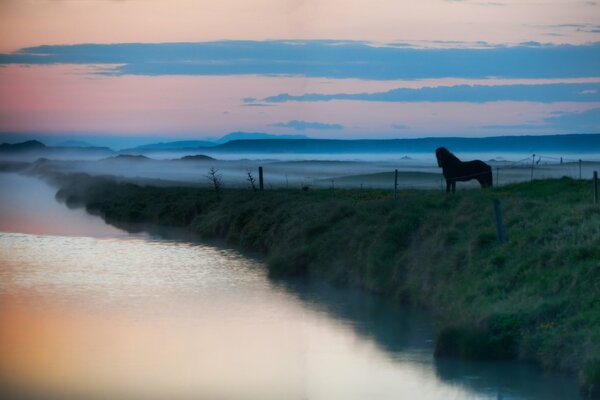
399 126
574 27
323 59
524 127
303 125
477 3
544 93
257 105
573 122
585 121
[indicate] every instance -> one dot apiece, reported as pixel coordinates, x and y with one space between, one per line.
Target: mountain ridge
583 143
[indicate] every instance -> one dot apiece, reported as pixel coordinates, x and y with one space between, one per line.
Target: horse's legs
450 185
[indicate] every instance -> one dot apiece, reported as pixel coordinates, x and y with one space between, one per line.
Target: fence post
595 183
261 183
395 184
580 169
532 164
497 175
499 225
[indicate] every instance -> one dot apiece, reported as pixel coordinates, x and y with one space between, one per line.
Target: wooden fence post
580 169
261 183
497 175
532 164
595 183
395 184
499 225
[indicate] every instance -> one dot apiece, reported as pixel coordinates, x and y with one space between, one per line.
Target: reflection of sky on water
148 318
28 206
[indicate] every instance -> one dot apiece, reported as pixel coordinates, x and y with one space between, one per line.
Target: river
90 311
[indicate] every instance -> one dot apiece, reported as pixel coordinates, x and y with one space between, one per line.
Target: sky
183 69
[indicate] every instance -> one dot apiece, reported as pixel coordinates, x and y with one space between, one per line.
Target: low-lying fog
314 170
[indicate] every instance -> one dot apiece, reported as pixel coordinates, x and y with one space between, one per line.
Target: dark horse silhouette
456 170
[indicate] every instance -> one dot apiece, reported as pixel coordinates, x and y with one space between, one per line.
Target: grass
535 297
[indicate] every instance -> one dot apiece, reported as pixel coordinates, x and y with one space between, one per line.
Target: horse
456 170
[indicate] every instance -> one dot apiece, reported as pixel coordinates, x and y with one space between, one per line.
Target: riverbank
535 297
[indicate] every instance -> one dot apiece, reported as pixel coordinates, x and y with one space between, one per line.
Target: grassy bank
535 297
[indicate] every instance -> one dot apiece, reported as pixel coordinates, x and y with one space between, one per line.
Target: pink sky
74 99
68 99
34 22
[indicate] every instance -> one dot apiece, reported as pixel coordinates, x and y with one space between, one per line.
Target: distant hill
73 143
127 157
256 136
30 145
198 157
177 145
576 143
189 145
32 149
563 144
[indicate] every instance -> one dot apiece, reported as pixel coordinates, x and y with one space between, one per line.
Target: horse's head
441 153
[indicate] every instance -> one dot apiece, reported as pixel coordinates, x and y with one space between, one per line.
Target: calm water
87 310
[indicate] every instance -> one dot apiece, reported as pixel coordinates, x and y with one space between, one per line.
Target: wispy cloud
304 125
324 59
572 27
573 122
257 105
586 121
545 93
510 127
477 3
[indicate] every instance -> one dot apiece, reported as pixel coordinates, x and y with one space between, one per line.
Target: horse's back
480 164
467 170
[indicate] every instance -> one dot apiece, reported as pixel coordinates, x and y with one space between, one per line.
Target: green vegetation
535 297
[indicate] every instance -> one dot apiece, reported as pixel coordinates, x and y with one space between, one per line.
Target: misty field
413 172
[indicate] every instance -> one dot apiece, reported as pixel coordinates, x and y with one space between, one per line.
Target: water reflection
509 380
131 317
27 205
140 318
405 335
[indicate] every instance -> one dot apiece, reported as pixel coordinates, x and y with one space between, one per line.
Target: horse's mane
444 156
